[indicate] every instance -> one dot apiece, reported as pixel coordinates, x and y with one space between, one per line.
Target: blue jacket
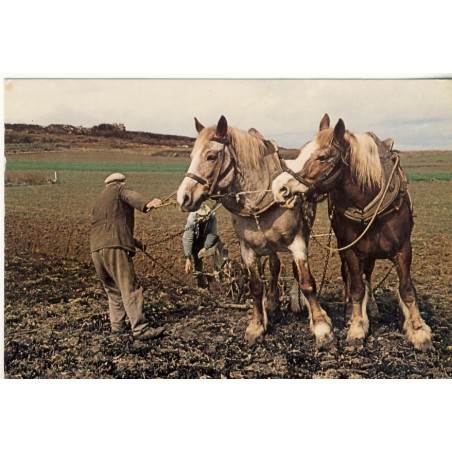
199 235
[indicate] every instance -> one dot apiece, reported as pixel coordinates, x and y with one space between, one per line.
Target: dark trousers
115 269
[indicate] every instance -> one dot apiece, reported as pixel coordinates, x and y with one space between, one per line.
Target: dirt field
56 321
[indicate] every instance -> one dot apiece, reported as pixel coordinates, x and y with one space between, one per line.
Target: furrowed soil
56 315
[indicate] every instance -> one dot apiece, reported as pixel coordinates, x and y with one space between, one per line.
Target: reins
167 201
312 186
218 174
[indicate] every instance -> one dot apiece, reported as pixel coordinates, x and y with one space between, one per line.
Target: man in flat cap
112 249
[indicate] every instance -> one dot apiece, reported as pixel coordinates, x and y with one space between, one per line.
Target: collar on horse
389 198
247 211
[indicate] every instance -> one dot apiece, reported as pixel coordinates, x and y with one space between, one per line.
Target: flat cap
203 211
115 177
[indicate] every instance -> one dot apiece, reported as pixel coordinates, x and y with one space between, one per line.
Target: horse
371 215
237 168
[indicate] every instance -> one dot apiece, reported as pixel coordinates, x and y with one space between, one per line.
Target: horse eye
322 158
211 157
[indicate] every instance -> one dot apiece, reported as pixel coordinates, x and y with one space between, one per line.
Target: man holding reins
112 249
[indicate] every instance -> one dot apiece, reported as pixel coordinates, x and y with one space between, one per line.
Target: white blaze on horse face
285 185
189 188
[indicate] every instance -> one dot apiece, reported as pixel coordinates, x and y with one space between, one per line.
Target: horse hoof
357 332
421 338
254 334
324 337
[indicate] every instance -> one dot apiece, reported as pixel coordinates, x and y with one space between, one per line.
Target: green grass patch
28 165
417 177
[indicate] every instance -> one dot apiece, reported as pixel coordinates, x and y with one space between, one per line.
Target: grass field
418 166
96 166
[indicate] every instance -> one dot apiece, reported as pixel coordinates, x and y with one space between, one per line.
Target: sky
417 113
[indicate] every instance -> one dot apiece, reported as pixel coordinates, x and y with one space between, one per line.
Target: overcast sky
417 114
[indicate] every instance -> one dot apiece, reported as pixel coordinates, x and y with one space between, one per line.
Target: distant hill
31 138
30 133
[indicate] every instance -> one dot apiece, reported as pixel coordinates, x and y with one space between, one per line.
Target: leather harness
271 155
392 201
216 175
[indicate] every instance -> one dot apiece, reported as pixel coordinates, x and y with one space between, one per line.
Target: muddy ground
56 326
56 316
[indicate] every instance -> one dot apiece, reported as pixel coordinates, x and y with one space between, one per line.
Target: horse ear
222 127
339 130
325 122
198 126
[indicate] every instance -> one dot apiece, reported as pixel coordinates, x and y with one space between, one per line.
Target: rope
167 198
374 216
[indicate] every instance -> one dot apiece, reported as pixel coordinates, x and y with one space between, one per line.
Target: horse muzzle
190 196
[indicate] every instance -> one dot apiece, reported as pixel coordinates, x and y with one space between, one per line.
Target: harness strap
217 173
312 187
295 175
374 216
197 178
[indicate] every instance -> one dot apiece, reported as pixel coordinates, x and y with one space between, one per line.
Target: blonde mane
365 160
248 147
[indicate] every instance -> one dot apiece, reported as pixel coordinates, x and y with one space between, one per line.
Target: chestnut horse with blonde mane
238 168
371 215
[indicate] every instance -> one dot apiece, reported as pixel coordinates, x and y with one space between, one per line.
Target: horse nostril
284 191
185 199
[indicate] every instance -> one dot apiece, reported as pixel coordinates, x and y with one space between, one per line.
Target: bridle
218 174
328 176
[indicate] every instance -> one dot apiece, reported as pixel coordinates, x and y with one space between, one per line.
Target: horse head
315 171
211 168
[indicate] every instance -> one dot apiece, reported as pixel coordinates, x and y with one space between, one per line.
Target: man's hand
201 253
188 266
156 202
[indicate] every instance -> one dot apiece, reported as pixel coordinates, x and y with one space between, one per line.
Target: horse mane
364 157
249 147
365 160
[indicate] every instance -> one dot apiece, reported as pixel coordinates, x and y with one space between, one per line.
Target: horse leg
258 324
346 294
273 307
369 265
359 294
416 330
297 299
320 323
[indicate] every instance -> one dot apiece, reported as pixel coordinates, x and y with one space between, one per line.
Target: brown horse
371 215
238 168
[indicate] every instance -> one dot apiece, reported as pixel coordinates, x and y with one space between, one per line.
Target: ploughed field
56 315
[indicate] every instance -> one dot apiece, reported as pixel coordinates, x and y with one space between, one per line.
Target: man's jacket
199 234
113 220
